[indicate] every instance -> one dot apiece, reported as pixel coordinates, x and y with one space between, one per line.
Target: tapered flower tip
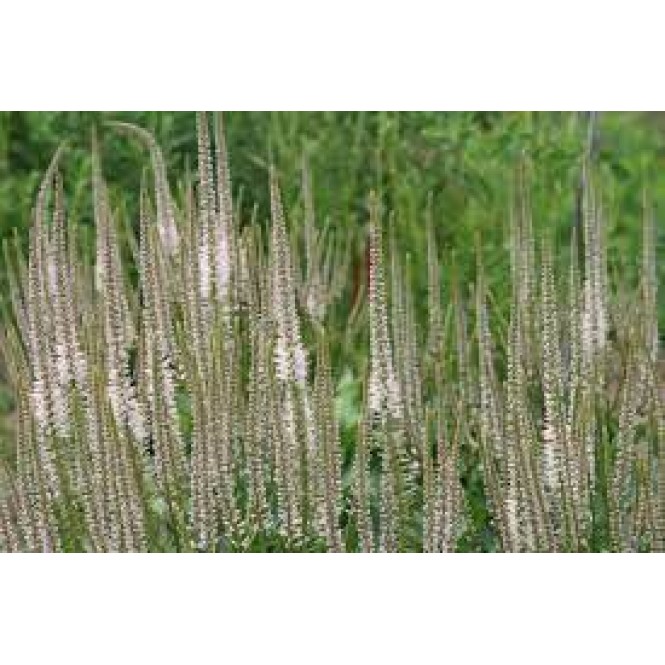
47 180
274 182
373 202
129 128
275 197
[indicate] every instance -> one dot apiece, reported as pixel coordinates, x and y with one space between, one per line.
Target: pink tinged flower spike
226 243
206 212
594 314
290 356
384 392
300 365
205 273
552 363
118 329
44 395
281 357
60 298
290 363
222 262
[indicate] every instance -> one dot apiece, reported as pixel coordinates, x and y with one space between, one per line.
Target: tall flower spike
594 314
291 366
225 236
57 333
555 454
206 213
290 359
118 328
383 393
39 340
384 396
166 224
593 328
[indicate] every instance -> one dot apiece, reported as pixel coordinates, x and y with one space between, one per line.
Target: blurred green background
465 161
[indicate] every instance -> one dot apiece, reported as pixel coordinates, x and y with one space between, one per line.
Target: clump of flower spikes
570 398
197 409
107 378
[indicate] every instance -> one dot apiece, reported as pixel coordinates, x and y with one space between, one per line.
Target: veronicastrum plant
177 391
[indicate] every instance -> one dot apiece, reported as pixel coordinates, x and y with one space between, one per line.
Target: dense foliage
355 372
